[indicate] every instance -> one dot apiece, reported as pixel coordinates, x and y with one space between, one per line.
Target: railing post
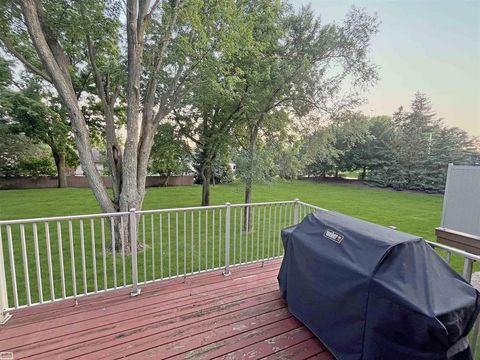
295 211
467 269
132 222
227 240
4 315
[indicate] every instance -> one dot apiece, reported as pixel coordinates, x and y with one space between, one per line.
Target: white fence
50 259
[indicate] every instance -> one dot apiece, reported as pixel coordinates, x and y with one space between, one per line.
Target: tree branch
11 49
152 10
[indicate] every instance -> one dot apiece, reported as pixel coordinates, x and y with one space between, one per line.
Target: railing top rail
60 218
313 206
191 208
105 215
264 203
454 250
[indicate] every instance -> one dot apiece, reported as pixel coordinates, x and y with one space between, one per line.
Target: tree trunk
364 172
336 173
247 210
56 63
61 171
206 173
167 177
128 171
249 181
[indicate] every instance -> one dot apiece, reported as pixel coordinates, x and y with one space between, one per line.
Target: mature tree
39 116
333 148
349 131
15 151
419 150
377 149
217 102
304 66
65 42
318 152
170 154
260 169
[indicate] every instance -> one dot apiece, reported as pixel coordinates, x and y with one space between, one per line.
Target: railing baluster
60 254
176 240
4 315
133 239
12 265
161 245
72 258
191 233
279 228
252 231
240 228
184 244
291 215
114 256
274 242
206 239
25 264
235 237
153 247
144 250
213 238
247 230
449 256
84 267
219 237
49 261
37 263
94 255
122 238
263 233
199 240
104 255
227 239
169 248
258 233
269 230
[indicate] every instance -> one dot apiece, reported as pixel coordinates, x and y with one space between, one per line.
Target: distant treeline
410 150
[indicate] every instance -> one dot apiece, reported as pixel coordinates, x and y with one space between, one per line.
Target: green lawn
411 212
182 239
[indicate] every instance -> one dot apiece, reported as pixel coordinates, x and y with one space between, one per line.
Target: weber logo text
332 235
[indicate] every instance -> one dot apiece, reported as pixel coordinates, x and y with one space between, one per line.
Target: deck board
204 316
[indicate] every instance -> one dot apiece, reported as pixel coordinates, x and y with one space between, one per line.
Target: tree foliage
411 150
170 154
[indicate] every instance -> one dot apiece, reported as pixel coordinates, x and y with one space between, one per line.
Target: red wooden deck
207 316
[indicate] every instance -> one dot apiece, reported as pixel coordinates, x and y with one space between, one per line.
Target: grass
411 212
182 239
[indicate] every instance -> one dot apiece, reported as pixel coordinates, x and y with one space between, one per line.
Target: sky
430 46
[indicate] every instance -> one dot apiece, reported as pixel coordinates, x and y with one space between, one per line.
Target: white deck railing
56 258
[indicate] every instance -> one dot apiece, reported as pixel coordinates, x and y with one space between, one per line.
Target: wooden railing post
227 240
132 233
4 315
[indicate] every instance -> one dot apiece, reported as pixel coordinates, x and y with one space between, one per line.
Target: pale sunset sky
431 46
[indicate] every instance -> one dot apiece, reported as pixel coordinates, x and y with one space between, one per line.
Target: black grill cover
371 292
